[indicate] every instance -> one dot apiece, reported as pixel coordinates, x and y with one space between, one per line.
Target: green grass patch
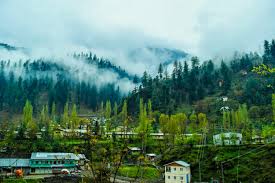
143 172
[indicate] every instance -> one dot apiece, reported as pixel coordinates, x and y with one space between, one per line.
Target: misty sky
207 28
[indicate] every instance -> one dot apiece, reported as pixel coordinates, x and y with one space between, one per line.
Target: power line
247 152
239 156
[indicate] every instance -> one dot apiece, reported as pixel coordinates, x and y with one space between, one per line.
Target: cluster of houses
226 138
43 163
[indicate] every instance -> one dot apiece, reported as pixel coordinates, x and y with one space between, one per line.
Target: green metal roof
12 162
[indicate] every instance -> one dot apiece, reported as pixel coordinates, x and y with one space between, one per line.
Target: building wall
45 170
46 166
5 171
227 139
178 174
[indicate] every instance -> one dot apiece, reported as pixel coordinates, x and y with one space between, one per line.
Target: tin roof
182 163
54 156
12 162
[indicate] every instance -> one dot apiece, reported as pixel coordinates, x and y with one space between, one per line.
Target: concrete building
229 138
47 163
177 172
10 165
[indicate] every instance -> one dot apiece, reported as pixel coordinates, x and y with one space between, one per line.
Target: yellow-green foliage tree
108 111
65 116
42 119
226 120
144 128
27 114
193 123
28 120
182 123
124 116
273 107
74 119
203 123
53 113
172 126
163 121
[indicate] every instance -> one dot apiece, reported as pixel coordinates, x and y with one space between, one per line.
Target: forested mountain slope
201 87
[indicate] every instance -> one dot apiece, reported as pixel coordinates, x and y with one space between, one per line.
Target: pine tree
160 70
226 75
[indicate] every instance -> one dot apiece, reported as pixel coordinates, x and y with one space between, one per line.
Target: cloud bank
113 27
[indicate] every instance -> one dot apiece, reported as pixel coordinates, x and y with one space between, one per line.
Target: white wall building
177 172
229 138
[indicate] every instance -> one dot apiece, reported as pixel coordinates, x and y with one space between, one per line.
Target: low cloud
113 28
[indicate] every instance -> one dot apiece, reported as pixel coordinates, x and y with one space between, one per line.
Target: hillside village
137 91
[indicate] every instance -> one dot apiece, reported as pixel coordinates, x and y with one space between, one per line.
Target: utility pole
200 170
222 173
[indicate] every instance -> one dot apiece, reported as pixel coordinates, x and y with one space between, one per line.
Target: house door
187 178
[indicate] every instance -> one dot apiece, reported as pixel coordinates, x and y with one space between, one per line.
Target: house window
175 169
36 162
54 162
32 170
181 178
168 177
168 169
47 162
63 162
175 177
181 169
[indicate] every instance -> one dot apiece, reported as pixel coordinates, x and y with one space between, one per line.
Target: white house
177 172
224 99
229 138
224 108
151 156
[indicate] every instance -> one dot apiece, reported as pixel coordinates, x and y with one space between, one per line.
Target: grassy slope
145 172
257 166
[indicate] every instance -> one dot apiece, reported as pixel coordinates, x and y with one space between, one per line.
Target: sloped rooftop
12 162
182 163
54 156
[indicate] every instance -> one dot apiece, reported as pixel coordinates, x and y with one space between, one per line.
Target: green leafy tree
27 114
28 120
124 117
144 128
193 123
273 107
65 116
74 119
53 112
203 123
108 110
